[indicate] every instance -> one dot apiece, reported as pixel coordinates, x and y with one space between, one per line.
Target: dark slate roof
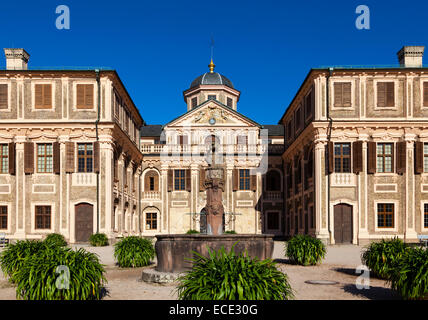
212 78
274 129
153 130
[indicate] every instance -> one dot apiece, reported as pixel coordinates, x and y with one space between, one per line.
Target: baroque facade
65 137
356 155
177 154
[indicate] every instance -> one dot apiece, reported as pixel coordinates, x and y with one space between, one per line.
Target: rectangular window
151 221
3 217
342 157
194 102
290 130
212 97
385 215
342 94
229 102
117 104
242 139
180 179
298 118
425 157
43 217
4 158
426 215
244 179
44 158
43 96
3 96
273 220
384 157
84 96
85 157
385 94
183 140
308 104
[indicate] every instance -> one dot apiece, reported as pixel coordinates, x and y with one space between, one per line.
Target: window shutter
357 161
401 157
29 157
235 179
188 180
47 95
80 95
38 95
202 179
338 94
253 182
425 94
12 158
371 165
346 94
89 95
56 158
390 94
381 94
97 157
3 96
330 157
419 157
69 154
147 182
156 178
170 179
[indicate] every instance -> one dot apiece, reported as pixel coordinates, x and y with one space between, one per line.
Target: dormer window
229 102
212 97
194 102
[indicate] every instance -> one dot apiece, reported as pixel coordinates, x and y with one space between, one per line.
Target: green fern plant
380 256
56 238
305 250
408 274
133 252
98 240
227 276
191 231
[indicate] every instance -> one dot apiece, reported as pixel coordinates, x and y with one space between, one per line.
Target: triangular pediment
212 113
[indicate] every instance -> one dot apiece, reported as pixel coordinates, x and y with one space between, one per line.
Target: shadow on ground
285 261
373 293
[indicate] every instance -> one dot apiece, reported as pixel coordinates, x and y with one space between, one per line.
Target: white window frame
343 80
375 82
33 95
396 209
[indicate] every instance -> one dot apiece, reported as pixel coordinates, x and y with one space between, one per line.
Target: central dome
211 78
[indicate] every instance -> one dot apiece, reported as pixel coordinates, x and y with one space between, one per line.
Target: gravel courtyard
339 266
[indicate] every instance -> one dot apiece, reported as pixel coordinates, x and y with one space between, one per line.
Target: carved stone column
321 218
363 211
194 192
20 192
164 196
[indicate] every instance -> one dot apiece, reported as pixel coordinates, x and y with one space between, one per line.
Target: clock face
212 121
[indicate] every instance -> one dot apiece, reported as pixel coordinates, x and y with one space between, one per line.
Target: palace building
69 148
176 156
347 162
356 152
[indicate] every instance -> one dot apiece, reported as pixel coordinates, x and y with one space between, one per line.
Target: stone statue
214 184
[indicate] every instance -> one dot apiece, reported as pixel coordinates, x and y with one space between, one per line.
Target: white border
423 228
95 94
33 216
43 184
9 96
375 82
9 216
385 191
343 80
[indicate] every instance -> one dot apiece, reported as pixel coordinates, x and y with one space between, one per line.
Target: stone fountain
174 250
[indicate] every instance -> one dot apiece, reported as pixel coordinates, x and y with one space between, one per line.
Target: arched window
273 181
151 181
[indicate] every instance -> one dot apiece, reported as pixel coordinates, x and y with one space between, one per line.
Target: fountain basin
172 250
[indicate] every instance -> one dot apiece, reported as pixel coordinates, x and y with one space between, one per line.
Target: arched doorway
203 221
342 223
84 221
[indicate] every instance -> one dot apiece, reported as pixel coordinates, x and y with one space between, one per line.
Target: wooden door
273 222
84 221
342 223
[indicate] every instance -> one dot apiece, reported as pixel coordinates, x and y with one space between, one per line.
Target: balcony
201 148
273 195
84 179
151 195
345 179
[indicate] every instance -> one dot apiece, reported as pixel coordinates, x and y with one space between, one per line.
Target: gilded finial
211 66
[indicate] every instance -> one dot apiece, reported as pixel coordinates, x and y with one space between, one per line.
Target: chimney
16 59
411 56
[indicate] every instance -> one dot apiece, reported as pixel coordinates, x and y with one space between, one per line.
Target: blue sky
266 48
